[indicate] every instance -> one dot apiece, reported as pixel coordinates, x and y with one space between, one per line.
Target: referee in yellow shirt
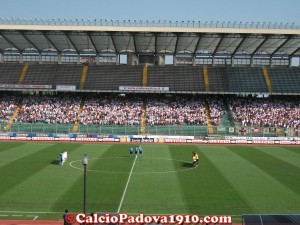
195 159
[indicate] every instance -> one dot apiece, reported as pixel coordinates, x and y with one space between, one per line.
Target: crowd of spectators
216 107
178 111
8 105
266 112
49 109
160 110
111 110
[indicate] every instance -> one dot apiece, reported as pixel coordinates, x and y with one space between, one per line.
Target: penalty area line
125 190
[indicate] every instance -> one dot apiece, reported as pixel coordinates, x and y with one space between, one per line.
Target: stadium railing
170 130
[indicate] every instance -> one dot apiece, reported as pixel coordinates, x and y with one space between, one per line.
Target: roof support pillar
21 58
271 62
251 61
290 61
118 59
40 59
59 58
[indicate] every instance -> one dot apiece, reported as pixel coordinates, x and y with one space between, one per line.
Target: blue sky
286 11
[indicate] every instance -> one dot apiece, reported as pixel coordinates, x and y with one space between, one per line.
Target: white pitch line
122 199
17 215
129 213
35 217
28 212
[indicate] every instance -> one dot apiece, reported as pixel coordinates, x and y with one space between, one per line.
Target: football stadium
95 119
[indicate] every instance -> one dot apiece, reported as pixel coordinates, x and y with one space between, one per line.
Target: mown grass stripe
103 190
282 154
294 149
154 193
35 180
258 188
19 170
285 173
10 152
9 145
215 195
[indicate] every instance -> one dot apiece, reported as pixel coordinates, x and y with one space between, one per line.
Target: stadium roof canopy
149 37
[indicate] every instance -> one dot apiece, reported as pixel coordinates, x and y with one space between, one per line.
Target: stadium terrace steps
145 76
40 74
76 124
54 74
267 79
177 78
83 77
11 120
228 117
284 79
218 79
103 77
144 107
68 75
208 118
10 73
23 73
143 117
246 79
206 80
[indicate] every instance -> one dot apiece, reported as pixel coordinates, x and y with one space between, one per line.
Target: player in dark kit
131 151
140 152
136 150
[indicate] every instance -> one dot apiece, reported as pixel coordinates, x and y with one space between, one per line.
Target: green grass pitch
230 180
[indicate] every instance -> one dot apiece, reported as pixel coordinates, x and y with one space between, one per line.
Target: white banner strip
133 88
65 88
25 86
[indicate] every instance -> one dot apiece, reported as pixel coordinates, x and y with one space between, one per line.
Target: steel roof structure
141 38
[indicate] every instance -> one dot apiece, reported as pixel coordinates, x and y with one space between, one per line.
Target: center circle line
120 172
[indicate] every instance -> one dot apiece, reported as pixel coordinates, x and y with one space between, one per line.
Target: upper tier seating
218 79
246 79
111 77
10 73
177 78
285 80
54 74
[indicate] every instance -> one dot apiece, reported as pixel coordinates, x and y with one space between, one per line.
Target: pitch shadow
55 162
187 165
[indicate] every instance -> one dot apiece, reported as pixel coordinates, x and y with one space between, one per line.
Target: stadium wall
149 139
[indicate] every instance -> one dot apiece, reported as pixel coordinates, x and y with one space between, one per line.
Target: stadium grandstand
115 77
